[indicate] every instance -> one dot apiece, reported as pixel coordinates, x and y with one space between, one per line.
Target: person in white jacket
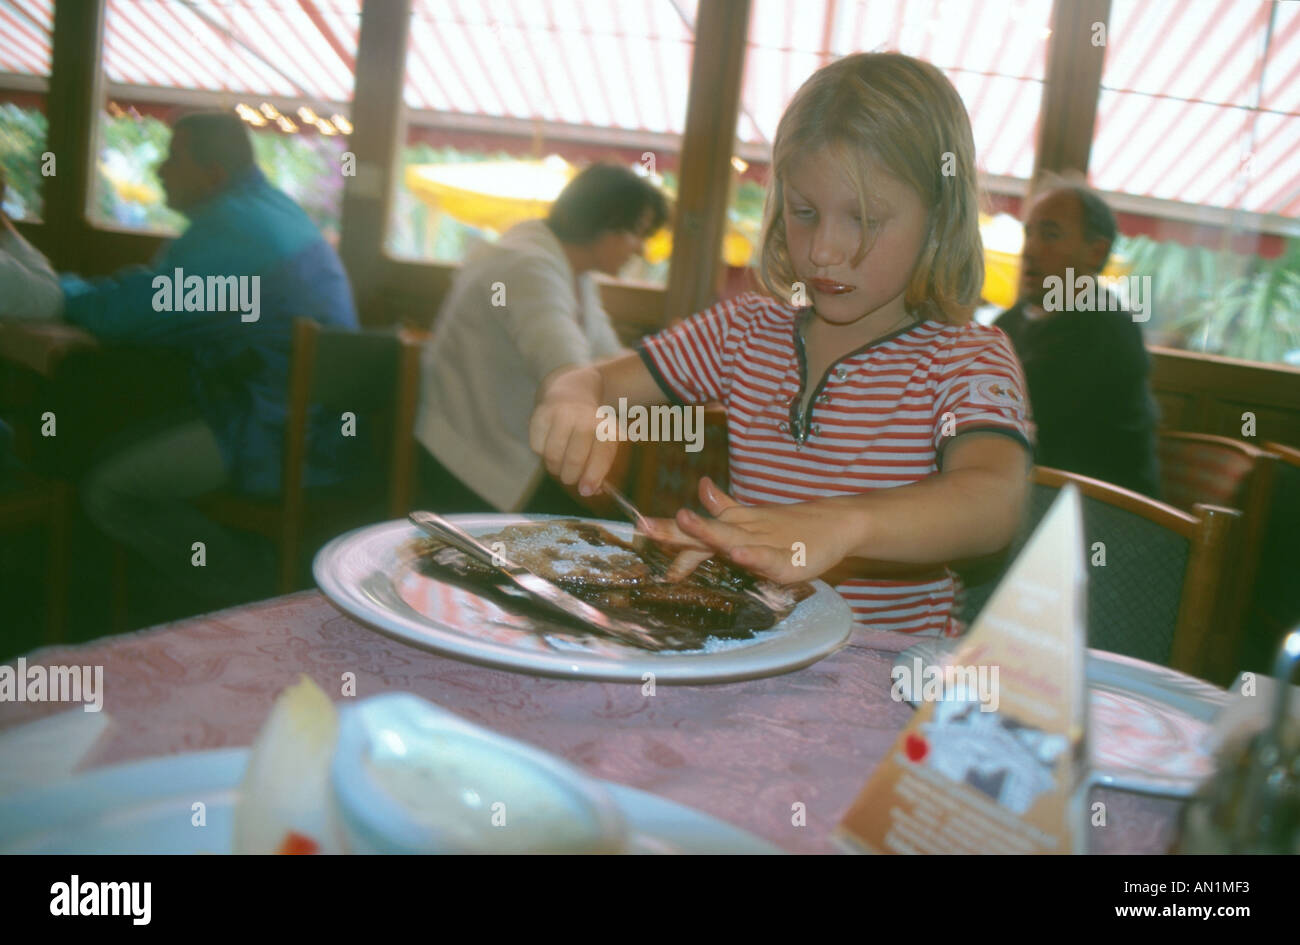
518 311
29 287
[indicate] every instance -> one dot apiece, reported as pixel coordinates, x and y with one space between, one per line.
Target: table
744 752
41 346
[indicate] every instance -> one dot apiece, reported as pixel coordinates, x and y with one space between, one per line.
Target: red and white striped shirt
880 418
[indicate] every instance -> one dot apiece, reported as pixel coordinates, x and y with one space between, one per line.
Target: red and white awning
1191 109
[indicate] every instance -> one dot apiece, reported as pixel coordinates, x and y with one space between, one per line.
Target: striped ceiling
1200 99
1200 103
993 51
25 28
623 64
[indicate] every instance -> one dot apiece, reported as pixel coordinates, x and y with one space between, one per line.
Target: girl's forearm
581 384
603 383
960 514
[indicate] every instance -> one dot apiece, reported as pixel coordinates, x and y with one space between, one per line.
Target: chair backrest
1216 470
1151 570
1275 603
372 374
1197 467
666 476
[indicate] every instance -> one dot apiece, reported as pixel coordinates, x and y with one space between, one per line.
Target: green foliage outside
128 192
1220 302
746 209
415 230
22 141
309 169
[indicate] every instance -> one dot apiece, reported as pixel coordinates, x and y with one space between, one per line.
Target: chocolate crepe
624 580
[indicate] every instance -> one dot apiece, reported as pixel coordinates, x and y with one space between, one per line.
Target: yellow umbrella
495 195
130 191
1004 238
660 246
737 248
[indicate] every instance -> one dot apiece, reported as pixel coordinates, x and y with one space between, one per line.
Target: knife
537 587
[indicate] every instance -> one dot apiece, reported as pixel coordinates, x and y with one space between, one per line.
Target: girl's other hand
690 552
783 543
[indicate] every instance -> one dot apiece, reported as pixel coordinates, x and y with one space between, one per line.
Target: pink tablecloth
744 752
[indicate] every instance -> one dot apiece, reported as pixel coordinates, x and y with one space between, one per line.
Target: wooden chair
1215 470
372 374
27 501
1198 467
1275 602
1153 599
665 477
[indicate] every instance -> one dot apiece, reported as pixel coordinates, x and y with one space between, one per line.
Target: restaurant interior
413 134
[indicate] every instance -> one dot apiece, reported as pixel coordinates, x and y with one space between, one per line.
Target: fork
631 511
770 595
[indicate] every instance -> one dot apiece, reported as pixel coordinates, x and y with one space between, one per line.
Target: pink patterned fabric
744 752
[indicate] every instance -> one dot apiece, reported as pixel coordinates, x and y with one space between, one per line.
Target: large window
506 101
1198 125
286 67
25 48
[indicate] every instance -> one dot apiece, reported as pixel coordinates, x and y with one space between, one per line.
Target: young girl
875 434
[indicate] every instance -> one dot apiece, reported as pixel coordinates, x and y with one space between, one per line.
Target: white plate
1148 724
146 807
368 575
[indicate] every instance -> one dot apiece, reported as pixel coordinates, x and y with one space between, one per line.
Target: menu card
994 759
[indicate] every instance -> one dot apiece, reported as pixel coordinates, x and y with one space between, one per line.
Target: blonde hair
904 115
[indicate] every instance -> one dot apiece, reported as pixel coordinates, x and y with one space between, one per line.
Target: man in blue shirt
224 295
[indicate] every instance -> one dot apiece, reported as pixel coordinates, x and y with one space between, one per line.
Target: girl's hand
562 431
783 543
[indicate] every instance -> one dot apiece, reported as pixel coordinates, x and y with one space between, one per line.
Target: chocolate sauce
714 602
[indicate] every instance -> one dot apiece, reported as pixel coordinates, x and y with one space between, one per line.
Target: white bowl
410 777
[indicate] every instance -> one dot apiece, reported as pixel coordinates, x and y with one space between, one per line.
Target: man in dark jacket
1085 363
